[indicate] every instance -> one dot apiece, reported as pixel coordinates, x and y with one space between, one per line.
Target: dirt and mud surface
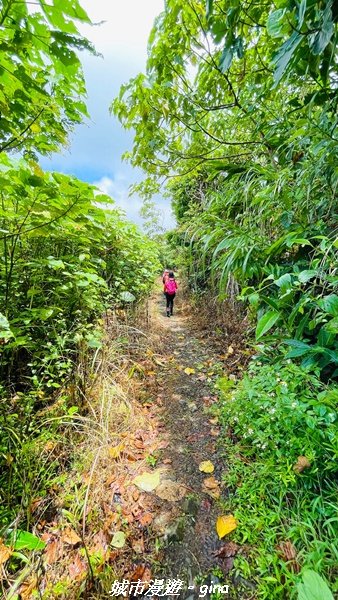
189 502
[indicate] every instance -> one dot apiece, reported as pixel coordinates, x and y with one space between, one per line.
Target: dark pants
170 302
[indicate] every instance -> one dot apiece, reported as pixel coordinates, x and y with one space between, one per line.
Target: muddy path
187 514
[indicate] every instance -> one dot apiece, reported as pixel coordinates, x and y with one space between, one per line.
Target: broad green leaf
276 22
226 58
266 322
127 297
313 587
24 540
329 304
305 276
299 348
285 55
5 330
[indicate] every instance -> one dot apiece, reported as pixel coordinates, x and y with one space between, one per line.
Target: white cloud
126 28
118 190
95 148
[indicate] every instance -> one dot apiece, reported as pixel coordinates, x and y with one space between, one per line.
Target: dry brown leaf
142 573
135 495
77 568
211 483
215 432
229 549
176 397
146 519
170 490
52 552
70 537
5 552
139 444
206 466
167 461
225 524
138 545
288 553
287 550
213 421
28 587
301 464
228 564
215 494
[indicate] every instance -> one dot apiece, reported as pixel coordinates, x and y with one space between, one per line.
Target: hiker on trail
170 287
165 275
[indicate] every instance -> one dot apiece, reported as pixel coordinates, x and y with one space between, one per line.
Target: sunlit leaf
147 481
225 524
118 539
206 466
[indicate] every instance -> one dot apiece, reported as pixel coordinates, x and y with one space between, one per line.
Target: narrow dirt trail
187 512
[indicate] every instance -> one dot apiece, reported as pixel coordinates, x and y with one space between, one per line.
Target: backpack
170 286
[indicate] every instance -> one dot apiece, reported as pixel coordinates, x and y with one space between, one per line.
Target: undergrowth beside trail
280 443
75 463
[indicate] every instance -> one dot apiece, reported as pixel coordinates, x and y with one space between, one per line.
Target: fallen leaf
115 451
147 482
301 464
287 550
118 539
141 573
288 553
229 549
176 397
211 483
170 490
215 432
51 554
146 519
139 444
206 466
215 494
5 552
135 495
26 589
138 545
225 524
77 568
230 350
189 371
167 461
228 564
70 537
213 421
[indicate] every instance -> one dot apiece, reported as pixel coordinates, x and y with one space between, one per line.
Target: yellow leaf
225 524
5 552
206 466
189 371
147 482
35 128
115 451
